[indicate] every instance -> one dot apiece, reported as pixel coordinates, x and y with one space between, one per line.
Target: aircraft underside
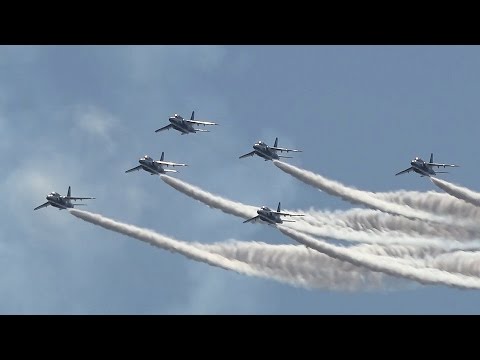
58 206
268 221
423 172
181 129
151 171
263 155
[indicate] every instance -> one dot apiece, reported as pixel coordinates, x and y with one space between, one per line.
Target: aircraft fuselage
151 167
58 201
263 151
180 125
267 216
421 167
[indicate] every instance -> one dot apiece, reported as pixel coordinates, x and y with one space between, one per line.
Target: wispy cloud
97 123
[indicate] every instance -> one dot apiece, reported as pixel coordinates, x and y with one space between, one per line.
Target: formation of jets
425 168
62 202
261 149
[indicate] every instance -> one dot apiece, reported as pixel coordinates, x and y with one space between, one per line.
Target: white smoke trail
369 219
331 273
167 243
322 272
298 262
375 263
375 237
463 262
298 259
214 201
459 192
433 202
353 195
246 211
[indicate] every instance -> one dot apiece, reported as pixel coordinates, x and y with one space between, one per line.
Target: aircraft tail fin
161 157
193 116
69 192
276 142
278 207
431 158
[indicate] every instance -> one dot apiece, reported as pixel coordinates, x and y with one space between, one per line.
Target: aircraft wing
440 165
283 149
252 219
78 198
249 154
168 163
41 206
404 171
200 122
135 168
167 127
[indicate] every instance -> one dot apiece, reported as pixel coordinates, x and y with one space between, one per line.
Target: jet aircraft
268 152
62 202
425 168
271 217
154 167
185 126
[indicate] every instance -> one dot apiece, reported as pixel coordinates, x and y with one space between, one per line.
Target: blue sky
82 115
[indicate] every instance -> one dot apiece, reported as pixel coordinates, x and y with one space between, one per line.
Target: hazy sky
82 115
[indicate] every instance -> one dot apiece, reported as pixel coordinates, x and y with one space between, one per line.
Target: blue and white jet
425 168
155 167
268 152
62 202
270 216
185 126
